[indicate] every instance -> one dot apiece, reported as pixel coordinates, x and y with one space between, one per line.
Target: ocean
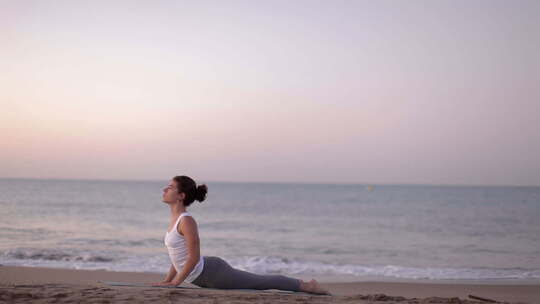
306 230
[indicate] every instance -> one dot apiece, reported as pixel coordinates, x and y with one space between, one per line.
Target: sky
369 92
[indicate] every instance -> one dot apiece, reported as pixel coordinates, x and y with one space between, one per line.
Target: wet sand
37 284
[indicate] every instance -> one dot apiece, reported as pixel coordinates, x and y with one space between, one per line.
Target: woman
182 241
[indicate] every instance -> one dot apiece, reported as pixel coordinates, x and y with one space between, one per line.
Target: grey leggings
217 273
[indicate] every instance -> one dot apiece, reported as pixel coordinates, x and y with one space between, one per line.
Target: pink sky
412 92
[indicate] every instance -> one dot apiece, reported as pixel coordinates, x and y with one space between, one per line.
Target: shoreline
71 281
344 278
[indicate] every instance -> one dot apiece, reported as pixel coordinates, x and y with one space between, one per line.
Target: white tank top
178 252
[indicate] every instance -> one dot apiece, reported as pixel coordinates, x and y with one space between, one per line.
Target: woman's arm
171 275
168 279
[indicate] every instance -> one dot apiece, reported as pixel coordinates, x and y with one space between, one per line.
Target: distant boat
369 187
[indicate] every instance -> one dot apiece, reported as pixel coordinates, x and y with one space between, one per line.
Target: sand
48 285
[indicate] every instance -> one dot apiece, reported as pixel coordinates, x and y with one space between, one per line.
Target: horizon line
270 182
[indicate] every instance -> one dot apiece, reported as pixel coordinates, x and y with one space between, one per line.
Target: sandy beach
36 284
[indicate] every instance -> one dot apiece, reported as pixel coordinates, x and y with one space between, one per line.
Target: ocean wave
159 263
66 255
276 264
16 233
149 242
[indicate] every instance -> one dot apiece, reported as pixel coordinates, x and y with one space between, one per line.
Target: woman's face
170 193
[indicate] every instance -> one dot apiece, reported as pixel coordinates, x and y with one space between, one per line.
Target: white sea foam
272 264
124 261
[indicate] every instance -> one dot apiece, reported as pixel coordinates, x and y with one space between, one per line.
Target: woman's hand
162 283
165 283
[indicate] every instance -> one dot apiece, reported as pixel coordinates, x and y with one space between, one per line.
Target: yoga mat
111 283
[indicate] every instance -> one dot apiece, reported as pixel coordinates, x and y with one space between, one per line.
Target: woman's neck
177 209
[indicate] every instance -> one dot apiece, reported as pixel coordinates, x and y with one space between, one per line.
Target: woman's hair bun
200 193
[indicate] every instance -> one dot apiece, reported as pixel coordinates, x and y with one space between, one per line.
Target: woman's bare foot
313 287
